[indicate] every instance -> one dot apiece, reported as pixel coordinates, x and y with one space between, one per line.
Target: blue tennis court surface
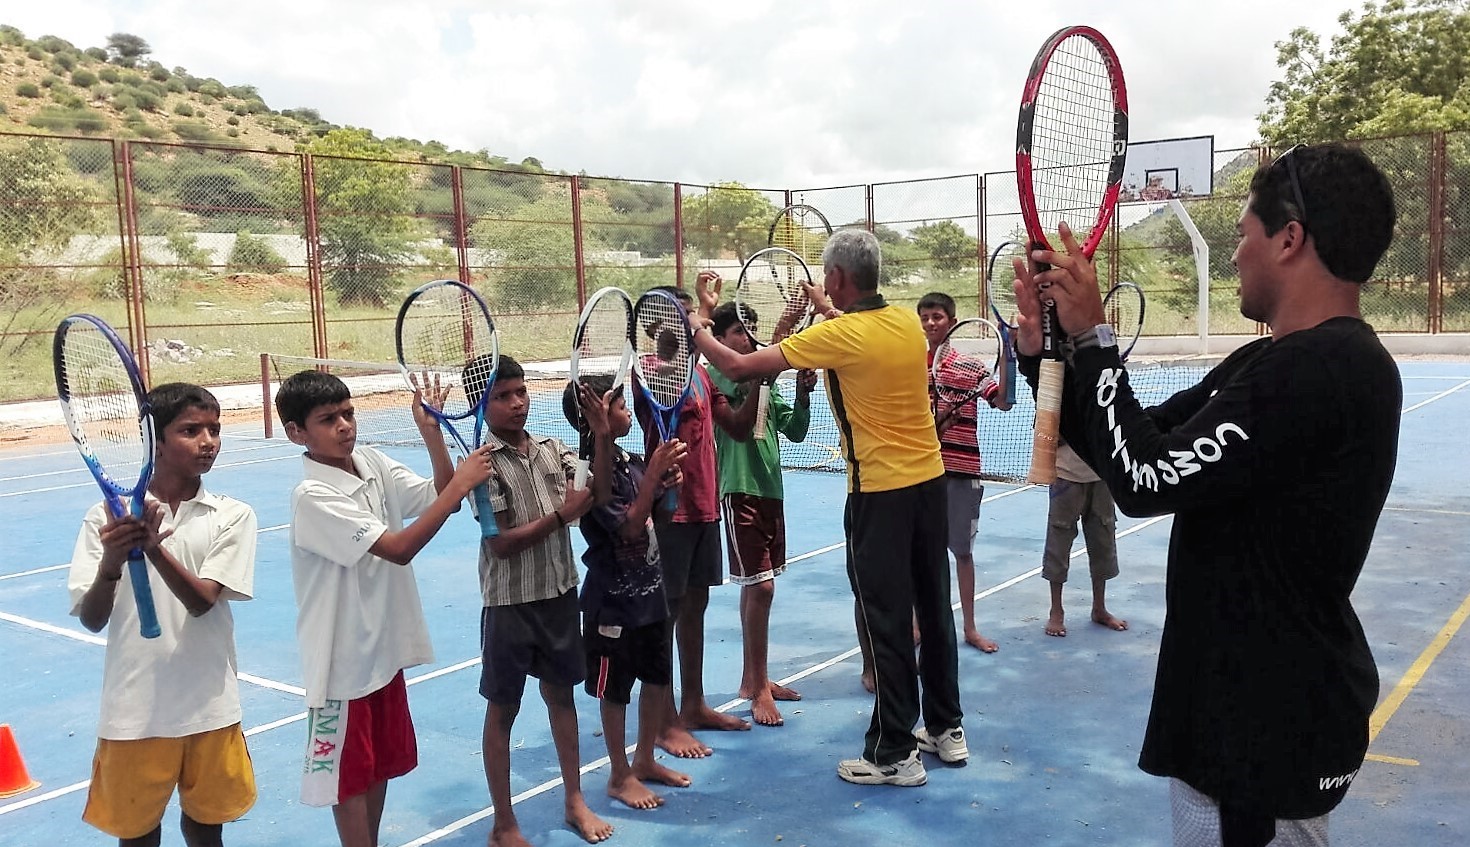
1054 724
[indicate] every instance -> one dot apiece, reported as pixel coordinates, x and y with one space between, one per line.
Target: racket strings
1073 133
602 340
665 361
103 405
447 337
1124 310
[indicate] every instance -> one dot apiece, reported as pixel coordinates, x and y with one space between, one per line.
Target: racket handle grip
143 595
488 528
1048 422
763 399
579 479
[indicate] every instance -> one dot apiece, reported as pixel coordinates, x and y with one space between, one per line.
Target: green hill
49 85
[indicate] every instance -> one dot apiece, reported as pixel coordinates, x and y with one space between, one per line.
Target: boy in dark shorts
528 582
625 611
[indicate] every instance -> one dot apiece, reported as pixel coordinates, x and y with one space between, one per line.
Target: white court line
34 572
1439 396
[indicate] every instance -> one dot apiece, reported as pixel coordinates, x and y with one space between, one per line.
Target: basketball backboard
1156 171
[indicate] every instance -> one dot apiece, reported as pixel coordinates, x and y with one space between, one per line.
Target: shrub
232 132
11 37
109 75
253 253
36 53
54 44
28 89
65 98
124 102
175 86
193 130
63 63
88 121
213 88
95 53
232 120
131 79
50 80
183 108
158 73
147 100
148 131
83 78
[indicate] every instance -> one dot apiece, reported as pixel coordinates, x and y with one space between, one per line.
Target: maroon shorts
755 530
357 744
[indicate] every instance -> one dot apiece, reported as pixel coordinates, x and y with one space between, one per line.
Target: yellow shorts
132 781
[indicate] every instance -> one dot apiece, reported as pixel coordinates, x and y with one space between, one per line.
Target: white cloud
767 92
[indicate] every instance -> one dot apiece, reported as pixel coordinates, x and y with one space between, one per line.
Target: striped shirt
532 486
959 444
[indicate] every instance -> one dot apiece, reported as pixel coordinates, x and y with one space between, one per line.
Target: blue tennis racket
103 398
445 335
665 362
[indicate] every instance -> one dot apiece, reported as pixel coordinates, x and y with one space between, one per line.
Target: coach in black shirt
1276 467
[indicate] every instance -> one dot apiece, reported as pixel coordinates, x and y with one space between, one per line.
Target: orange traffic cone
13 776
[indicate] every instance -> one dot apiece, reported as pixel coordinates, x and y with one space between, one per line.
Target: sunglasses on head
1289 160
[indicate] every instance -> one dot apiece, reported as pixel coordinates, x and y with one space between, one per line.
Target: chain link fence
204 257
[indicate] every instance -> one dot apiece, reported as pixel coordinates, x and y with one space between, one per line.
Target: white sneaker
907 773
950 745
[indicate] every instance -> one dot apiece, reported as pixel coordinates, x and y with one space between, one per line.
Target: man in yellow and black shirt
873 356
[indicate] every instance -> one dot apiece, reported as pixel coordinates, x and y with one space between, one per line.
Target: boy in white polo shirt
359 619
171 704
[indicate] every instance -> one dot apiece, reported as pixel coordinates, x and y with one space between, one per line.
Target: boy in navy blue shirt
625 613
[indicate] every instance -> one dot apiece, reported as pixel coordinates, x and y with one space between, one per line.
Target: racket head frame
1036 229
745 283
1116 304
114 490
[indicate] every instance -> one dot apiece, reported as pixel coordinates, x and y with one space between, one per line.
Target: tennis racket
965 368
444 333
601 344
1002 297
1071 141
802 229
106 409
664 363
1124 309
771 284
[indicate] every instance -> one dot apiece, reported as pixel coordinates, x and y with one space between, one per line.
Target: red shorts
755 530
355 744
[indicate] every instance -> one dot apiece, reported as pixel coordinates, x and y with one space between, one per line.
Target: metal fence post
314 292
581 261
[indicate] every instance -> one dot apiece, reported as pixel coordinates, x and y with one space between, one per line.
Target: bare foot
868 682
763 709
592 828
781 692
677 741
980 642
704 717
1109 620
1056 624
508 837
662 775
631 792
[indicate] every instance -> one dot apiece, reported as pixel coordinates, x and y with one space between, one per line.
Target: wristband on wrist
1097 336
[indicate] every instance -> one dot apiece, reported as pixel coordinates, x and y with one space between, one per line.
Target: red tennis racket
1071 141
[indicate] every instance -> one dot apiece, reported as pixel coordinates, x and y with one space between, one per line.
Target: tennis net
384 419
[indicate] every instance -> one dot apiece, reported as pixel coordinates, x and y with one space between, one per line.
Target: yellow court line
1391 760
1386 709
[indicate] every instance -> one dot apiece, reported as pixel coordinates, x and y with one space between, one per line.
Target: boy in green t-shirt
755 521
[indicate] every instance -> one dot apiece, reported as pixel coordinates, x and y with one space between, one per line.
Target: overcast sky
769 92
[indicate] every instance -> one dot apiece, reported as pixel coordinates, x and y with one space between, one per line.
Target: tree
947 244
1399 68
727 218
364 216
126 49
43 204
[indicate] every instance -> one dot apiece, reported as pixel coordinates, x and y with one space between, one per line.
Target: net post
265 395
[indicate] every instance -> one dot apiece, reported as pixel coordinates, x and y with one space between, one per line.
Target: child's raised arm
433 394
400 547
